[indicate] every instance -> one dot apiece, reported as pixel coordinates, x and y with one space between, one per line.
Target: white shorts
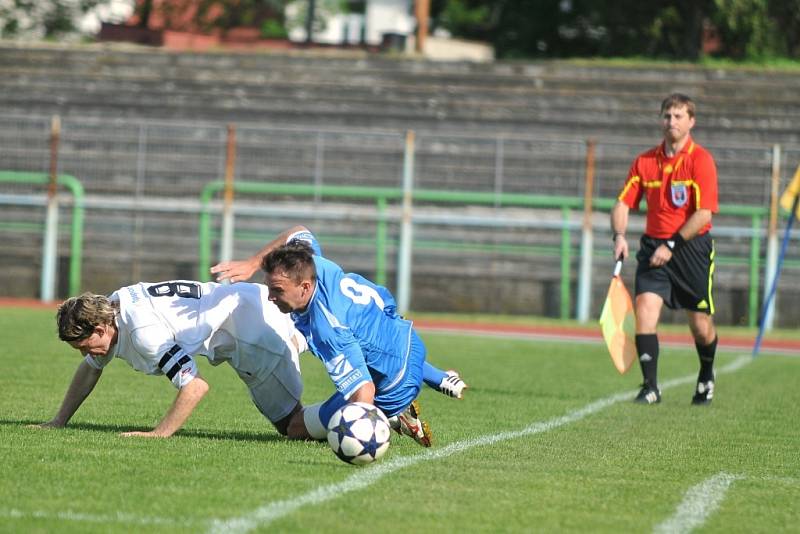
278 394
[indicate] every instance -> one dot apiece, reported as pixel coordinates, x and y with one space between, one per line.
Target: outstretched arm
188 398
242 270
82 384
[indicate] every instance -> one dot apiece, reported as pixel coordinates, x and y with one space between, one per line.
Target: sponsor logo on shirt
134 294
356 375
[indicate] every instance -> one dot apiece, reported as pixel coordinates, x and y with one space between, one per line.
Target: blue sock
432 376
335 402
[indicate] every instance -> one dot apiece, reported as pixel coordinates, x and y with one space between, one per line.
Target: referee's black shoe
703 393
648 395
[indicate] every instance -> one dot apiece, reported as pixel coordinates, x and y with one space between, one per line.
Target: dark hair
295 259
678 100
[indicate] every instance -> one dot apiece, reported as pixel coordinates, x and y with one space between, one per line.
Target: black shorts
686 280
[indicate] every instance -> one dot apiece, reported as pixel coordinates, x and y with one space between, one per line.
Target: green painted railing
382 196
76 230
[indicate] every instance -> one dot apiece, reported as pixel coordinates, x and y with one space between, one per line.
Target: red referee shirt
673 187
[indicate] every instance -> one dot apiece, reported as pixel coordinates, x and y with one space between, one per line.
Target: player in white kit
158 329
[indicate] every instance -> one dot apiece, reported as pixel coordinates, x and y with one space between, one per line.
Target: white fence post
772 238
50 242
406 228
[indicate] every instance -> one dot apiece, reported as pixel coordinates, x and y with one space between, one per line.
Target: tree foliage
672 29
35 19
208 15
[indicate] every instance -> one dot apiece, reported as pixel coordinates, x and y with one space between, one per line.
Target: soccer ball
359 433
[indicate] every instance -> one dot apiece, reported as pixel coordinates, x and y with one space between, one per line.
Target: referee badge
679 194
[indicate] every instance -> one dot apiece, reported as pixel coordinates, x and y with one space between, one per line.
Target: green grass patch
624 468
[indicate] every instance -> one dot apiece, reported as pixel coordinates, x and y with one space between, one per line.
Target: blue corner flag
790 200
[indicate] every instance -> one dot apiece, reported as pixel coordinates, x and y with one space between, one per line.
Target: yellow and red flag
792 191
618 323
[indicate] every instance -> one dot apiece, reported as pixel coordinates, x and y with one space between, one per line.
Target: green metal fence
383 196
76 227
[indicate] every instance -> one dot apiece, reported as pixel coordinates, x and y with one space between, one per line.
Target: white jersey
161 326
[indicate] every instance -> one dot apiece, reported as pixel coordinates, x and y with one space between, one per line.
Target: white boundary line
698 504
272 511
119 517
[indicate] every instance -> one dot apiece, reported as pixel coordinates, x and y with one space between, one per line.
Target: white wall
388 16
382 16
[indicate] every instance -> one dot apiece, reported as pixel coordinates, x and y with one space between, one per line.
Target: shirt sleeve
157 345
705 180
98 363
631 192
338 349
178 366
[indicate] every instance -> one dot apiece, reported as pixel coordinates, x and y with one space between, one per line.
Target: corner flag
792 191
618 323
790 201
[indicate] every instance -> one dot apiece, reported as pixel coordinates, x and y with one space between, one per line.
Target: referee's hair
678 100
295 259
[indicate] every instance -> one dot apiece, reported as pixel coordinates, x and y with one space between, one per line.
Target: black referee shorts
685 282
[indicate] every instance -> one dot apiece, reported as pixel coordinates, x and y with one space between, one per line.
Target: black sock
706 354
647 349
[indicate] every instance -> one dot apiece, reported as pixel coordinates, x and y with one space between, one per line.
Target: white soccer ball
359 433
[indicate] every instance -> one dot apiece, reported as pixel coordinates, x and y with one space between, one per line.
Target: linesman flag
792 192
618 323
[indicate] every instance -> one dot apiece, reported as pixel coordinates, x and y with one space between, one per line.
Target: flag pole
771 294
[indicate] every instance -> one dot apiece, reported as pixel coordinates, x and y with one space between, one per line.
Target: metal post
226 242
380 242
755 267
566 260
138 221
587 237
406 227
310 22
319 165
499 155
422 13
50 244
772 236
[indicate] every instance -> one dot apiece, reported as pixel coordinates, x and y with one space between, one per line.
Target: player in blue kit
370 352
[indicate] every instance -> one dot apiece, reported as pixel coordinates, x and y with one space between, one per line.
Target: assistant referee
678 179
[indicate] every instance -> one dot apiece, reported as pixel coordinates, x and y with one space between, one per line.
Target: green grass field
546 440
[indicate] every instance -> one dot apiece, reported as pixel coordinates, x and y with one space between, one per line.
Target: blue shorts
392 402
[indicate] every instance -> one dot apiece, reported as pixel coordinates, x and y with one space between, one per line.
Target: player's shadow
236 435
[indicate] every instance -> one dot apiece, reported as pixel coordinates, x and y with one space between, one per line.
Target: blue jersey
352 325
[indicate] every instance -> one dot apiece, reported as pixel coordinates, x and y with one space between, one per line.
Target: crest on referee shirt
679 194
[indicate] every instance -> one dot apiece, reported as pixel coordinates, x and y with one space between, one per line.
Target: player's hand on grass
235 271
140 434
48 424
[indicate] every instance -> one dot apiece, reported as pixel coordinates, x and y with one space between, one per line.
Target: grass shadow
237 435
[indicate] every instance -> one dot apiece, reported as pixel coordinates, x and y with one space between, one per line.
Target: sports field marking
127 519
698 504
272 511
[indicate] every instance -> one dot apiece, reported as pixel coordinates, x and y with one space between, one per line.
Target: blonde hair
78 316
